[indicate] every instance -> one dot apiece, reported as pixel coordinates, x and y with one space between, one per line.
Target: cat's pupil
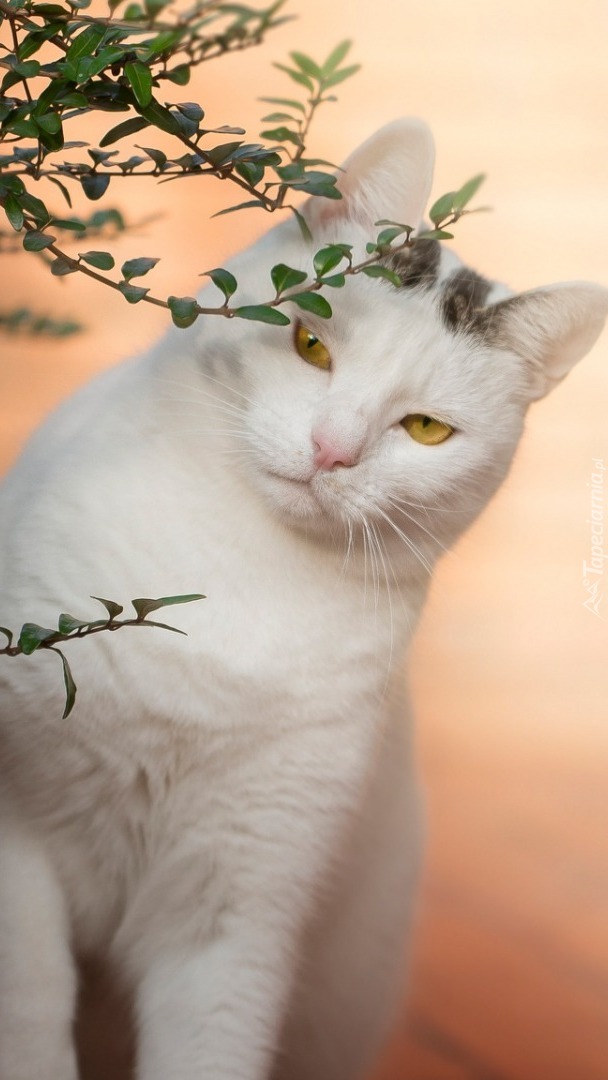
312 341
426 420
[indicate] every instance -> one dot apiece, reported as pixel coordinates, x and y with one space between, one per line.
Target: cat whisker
211 403
368 526
409 543
433 507
349 545
205 432
207 397
382 553
418 524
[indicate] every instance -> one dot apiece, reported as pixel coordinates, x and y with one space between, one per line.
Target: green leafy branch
101 67
332 265
24 320
33 637
115 65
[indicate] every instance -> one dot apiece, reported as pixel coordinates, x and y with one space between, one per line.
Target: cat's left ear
551 329
388 176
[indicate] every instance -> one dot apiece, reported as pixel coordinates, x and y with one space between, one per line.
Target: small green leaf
277 118
128 127
140 78
35 40
442 208
27 68
143 606
113 609
137 267
71 224
334 281
223 279
322 184
285 277
297 76
282 135
382 272
335 58
86 42
386 237
70 685
435 234
132 293
61 267
261 313
164 41
101 260
303 226
158 157
36 208
240 206
50 122
14 212
32 636
67 624
306 65
292 172
163 626
251 171
467 191
50 139
406 229
289 103
313 302
184 310
191 110
222 154
37 241
340 76
179 75
27 129
327 258
95 185
156 114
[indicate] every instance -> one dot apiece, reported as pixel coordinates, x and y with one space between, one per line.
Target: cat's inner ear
551 329
388 177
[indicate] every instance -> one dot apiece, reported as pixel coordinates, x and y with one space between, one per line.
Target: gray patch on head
418 265
463 301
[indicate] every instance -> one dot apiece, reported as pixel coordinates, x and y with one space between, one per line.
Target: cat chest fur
262 722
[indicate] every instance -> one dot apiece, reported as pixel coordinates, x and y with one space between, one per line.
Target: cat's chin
301 502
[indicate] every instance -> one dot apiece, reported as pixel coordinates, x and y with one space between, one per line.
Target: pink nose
328 455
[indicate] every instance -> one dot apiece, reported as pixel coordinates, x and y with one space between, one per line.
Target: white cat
229 821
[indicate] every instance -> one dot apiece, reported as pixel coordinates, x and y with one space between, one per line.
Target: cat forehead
460 294
437 298
385 342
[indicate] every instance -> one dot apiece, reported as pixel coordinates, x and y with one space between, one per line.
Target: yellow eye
426 430
310 348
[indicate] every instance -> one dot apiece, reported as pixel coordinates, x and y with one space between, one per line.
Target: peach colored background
508 666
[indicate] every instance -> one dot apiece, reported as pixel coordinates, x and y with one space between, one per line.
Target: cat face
382 414
403 411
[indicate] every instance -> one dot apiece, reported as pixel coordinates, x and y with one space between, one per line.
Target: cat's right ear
550 328
388 177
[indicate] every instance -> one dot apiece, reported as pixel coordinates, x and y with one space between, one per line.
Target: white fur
230 820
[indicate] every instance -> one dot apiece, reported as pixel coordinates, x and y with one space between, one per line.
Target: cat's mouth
309 497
